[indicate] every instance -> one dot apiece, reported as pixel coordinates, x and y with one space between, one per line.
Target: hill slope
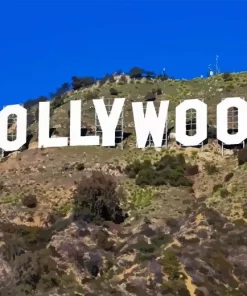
90 220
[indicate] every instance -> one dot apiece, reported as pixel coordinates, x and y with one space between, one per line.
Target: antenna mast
217 65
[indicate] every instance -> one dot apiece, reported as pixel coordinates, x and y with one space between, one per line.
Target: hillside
153 222
212 90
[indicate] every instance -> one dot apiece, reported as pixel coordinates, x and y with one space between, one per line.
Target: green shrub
170 264
210 168
113 91
227 76
142 197
217 187
159 91
146 176
245 212
131 170
169 170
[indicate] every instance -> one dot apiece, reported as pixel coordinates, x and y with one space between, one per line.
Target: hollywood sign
145 124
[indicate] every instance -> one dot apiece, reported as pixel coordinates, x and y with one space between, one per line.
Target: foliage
29 201
80 166
113 91
210 168
30 103
192 170
142 197
169 170
97 199
227 76
170 264
79 82
150 96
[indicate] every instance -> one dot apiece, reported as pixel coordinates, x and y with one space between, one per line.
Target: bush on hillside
159 91
169 170
97 199
123 80
210 168
79 82
29 201
132 169
242 156
227 76
192 170
150 97
113 91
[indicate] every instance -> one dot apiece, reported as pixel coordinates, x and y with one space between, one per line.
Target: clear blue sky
45 43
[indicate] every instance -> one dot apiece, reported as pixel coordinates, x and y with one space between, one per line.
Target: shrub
192 170
123 80
80 166
131 170
210 168
96 199
169 170
146 177
242 156
113 91
57 102
142 197
245 212
224 192
227 76
91 94
150 97
217 187
144 247
79 82
159 91
29 201
229 87
228 177
170 264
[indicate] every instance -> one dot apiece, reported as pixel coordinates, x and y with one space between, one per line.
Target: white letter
222 121
75 127
149 123
107 122
201 122
21 127
44 129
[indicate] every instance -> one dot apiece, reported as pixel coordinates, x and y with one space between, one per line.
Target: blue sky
45 43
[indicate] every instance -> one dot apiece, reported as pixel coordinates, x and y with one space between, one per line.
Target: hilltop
212 90
90 220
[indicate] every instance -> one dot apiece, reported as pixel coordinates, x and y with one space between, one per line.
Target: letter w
150 123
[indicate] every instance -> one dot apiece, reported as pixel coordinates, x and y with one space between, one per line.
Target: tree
61 90
104 79
30 103
149 74
136 72
79 82
97 198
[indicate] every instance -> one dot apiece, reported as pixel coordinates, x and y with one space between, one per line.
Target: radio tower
217 65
